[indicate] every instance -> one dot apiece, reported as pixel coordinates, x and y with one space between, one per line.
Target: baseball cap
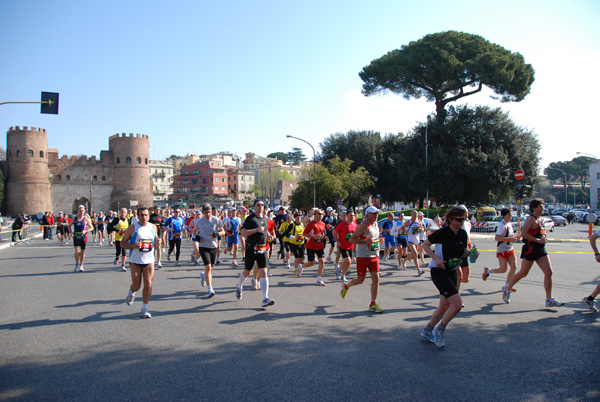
371 210
206 207
420 213
329 209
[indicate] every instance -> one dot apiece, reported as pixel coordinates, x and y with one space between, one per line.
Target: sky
238 76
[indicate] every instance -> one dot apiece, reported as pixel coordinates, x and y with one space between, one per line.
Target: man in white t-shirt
505 236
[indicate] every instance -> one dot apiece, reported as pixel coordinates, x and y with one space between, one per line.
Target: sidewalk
33 234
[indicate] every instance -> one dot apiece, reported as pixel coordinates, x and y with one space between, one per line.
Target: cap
463 207
81 206
258 200
281 208
244 209
297 214
198 212
371 210
60 212
399 213
329 209
420 213
206 207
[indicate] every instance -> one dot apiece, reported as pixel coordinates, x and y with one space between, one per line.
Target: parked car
547 223
559 220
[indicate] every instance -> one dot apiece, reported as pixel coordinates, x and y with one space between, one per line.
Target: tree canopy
576 169
296 156
446 66
282 156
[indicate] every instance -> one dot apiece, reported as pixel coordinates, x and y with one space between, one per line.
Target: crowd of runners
257 236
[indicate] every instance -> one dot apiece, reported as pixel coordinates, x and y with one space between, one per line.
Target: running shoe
438 338
225 252
123 269
158 265
193 259
270 263
400 268
130 298
269 274
76 268
145 313
254 284
177 264
81 268
235 264
344 291
116 260
211 294
427 334
420 272
506 294
337 272
552 302
168 257
218 262
344 279
267 302
238 293
486 273
321 283
287 265
375 309
329 260
590 304
202 279
387 258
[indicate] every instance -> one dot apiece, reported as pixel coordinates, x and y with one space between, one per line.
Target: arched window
58 177
139 160
18 153
103 178
41 154
118 160
68 178
95 178
30 153
128 160
146 161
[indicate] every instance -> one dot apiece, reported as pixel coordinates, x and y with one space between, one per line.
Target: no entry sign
519 174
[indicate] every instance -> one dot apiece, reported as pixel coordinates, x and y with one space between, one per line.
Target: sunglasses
459 219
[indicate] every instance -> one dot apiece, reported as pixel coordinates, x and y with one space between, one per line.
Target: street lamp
566 203
314 168
585 153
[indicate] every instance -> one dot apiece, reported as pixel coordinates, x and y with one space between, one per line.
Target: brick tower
131 172
28 185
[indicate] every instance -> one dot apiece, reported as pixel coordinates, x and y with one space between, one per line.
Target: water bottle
472 257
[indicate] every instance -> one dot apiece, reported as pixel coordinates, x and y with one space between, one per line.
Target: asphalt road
70 336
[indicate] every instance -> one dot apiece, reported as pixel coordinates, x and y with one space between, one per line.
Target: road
70 336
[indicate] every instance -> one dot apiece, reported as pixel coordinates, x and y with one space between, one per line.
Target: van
486 214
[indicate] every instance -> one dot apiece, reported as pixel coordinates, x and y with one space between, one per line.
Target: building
259 164
162 173
38 180
240 183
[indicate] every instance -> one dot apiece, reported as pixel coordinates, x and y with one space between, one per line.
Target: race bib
299 238
78 235
542 231
121 231
177 235
415 230
349 235
375 246
453 263
146 246
229 233
260 249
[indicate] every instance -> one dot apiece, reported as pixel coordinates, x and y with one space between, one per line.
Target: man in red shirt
342 233
315 233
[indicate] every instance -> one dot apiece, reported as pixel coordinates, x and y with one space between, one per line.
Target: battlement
131 135
82 160
25 128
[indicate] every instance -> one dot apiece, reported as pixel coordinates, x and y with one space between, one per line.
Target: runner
110 233
195 252
505 236
119 225
330 223
215 213
294 232
255 229
82 224
140 238
534 250
338 254
315 246
389 238
591 299
464 271
279 219
285 236
101 223
62 228
401 241
451 247
174 226
207 231
366 237
422 237
412 227
157 219
343 233
233 235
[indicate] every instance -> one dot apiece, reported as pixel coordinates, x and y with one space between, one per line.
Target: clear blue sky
208 76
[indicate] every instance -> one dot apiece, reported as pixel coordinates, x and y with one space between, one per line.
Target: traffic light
526 190
49 103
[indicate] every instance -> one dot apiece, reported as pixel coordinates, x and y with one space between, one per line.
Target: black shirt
253 222
450 245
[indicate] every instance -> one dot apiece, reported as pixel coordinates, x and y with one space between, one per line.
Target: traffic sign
519 174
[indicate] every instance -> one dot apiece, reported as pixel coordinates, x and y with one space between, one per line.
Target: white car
547 223
559 220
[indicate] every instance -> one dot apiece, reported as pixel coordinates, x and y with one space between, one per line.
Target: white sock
131 293
264 286
319 278
144 306
242 280
210 289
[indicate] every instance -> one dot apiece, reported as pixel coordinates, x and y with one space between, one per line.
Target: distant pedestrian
590 300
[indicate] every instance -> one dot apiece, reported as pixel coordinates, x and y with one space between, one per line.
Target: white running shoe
123 269
267 302
145 313
81 270
76 268
321 283
177 264
130 298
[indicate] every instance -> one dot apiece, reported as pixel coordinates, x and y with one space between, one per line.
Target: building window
103 178
58 177
598 176
118 160
146 161
204 180
207 171
18 153
139 160
128 160
95 178
68 178
30 153
41 154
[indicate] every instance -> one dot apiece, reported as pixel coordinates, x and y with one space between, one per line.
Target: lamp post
314 168
563 172
585 153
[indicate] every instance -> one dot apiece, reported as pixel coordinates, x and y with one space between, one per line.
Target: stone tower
28 185
131 173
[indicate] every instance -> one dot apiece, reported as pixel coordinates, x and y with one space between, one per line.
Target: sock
319 278
442 327
372 303
346 286
264 286
210 289
506 285
429 327
144 306
241 281
131 293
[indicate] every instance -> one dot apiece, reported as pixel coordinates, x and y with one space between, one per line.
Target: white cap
329 209
372 210
420 213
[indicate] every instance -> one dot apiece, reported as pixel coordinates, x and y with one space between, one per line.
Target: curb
12 244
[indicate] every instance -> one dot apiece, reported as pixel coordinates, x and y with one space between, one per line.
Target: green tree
472 157
576 169
296 156
266 186
279 155
446 66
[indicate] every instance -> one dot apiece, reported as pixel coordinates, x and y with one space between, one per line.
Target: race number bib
177 235
453 263
375 246
260 249
78 235
299 238
145 246
349 235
